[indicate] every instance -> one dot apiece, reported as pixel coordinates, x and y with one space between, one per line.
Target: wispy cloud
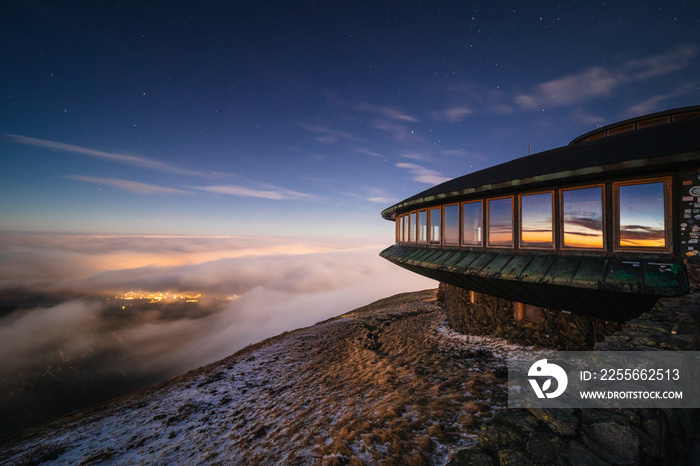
368 152
398 131
570 90
415 156
454 114
328 135
597 81
268 192
422 174
387 112
132 186
133 160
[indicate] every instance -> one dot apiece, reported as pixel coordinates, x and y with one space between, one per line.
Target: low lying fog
65 339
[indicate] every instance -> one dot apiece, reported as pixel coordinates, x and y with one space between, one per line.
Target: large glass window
536 227
471 223
500 221
412 227
642 215
422 226
583 217
434 219
451 217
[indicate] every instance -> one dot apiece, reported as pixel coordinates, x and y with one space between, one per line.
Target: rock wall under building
583 436
480 314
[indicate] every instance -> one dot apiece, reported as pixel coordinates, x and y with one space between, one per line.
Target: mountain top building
602 227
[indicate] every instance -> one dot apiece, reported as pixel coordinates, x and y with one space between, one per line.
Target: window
528 313
536 227
404 223
471 223
434 219
641 215
412 227
500 222
451 226
399 228
422 233
583 217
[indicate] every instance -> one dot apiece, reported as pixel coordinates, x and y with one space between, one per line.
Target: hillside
386 383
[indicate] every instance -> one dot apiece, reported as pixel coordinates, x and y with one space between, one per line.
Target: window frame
459 224
419 238
462 229
668 215
512 223
430 225
603 204
521 243
412 228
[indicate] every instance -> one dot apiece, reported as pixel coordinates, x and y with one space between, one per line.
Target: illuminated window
583 217
471 223
642 215
528 313
422 236
500 222
434 219
405 227
451 217
412 227
536 228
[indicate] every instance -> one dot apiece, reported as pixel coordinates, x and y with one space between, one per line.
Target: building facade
602 227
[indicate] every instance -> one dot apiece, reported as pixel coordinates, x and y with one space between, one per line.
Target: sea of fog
84 318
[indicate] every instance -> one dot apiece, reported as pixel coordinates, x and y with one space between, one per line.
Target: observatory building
602 227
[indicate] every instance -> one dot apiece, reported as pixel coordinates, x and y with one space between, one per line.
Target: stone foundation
494 316
585 436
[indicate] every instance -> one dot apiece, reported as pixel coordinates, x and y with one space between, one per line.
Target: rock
494 437
470 457
514 457
520 419
580 455
613 442
560 421
544 447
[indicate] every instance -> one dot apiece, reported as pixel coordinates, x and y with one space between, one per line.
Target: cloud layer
68 329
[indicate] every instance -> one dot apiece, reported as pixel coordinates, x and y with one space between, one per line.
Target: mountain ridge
386 382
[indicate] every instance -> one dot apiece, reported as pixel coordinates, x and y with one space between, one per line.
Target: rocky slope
387 383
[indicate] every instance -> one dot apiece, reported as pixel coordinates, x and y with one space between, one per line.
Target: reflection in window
412 227
434 219
422 226
642 216
451 214
536 220
501 222
471 224
583 217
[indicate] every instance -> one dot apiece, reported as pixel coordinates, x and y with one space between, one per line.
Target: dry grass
385 392
378 385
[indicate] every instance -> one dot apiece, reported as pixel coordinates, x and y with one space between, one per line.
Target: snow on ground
389 382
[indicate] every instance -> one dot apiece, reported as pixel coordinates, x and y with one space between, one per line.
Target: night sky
306 118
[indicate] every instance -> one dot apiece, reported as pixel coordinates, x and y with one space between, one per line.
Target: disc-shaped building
602 227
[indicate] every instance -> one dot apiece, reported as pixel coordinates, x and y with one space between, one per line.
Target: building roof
654 148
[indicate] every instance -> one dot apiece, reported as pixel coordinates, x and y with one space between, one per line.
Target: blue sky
306 118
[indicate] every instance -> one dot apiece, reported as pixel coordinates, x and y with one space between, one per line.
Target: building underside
593 286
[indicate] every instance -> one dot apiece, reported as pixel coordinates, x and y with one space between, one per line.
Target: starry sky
306 118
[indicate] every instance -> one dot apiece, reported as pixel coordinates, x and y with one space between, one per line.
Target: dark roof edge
390 212
650 116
